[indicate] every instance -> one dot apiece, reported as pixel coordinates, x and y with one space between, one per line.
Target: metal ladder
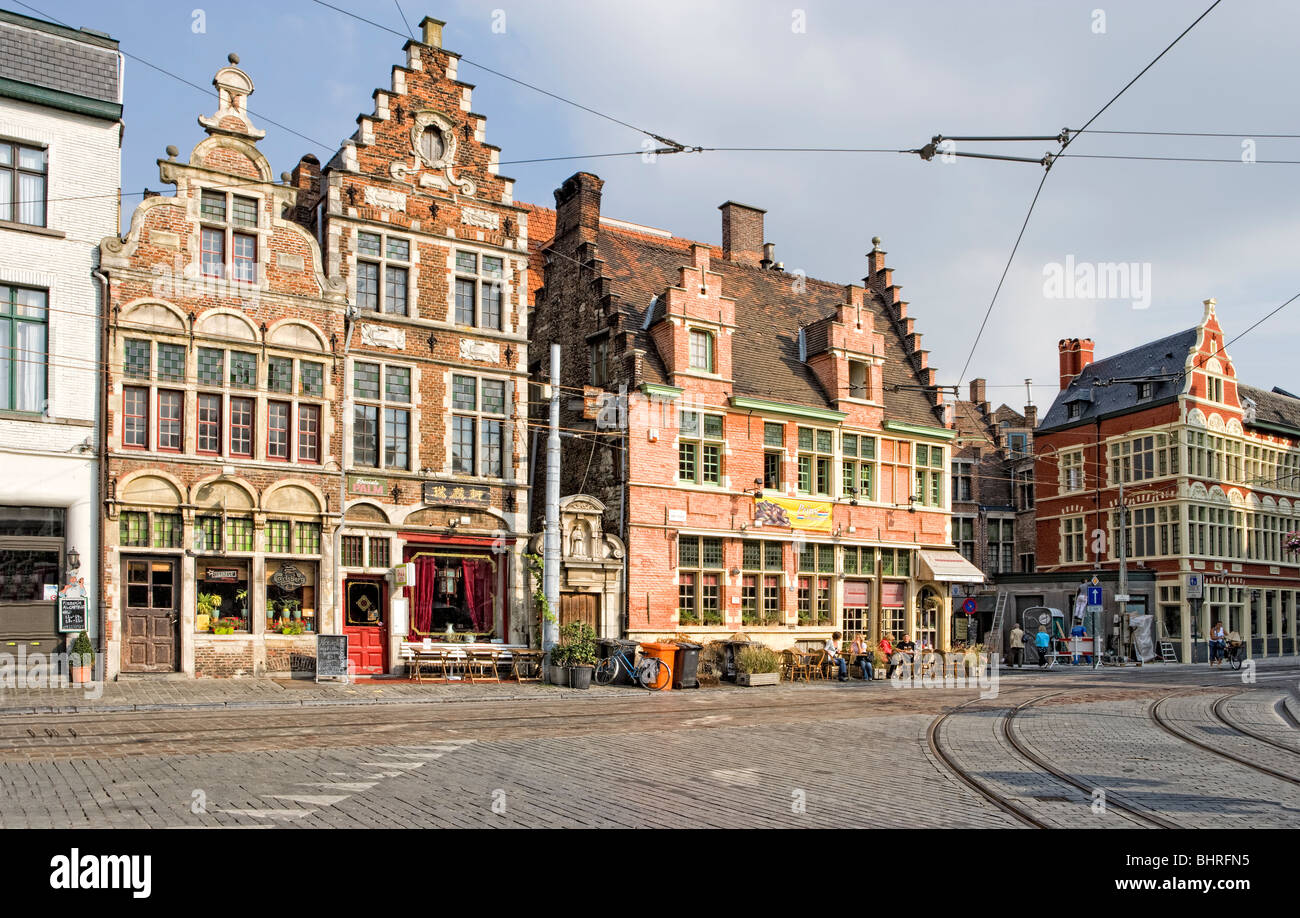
1167 654
994 642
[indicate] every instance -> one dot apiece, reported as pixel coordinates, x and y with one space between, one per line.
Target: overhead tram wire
671 146
203 89
1047 165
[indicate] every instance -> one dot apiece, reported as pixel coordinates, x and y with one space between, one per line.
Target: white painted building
60 185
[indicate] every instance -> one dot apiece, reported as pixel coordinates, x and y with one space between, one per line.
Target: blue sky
859 74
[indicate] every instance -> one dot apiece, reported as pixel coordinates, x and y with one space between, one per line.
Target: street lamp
74 560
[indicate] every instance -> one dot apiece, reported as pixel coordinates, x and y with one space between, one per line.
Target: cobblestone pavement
785 756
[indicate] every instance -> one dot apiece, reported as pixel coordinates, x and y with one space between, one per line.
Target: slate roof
1276 408
1165 356
769 314
55 57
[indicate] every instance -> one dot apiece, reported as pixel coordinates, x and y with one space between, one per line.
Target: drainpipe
349 320
101 455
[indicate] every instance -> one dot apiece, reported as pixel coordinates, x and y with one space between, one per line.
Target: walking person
1218 640
1017 646
832 650
1043 643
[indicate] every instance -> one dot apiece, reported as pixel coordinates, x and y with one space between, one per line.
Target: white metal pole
551 552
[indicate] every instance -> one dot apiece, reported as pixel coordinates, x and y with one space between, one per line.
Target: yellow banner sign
812 515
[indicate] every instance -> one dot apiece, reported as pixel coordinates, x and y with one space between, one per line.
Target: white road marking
351 786
395 764
265 814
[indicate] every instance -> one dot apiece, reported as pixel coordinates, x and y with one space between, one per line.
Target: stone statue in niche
578 541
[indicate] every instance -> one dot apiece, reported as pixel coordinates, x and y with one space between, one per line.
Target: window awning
949 567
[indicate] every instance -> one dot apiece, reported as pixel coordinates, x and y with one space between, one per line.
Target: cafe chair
483 666
527 665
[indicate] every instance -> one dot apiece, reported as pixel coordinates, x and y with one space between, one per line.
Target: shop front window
222 601
455 592
291 597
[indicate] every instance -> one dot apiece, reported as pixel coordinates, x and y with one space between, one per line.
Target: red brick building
1211 473
780 462
222 432
414 218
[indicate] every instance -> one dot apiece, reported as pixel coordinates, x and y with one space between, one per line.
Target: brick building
992 496
1211 473
222 446
413 216
60 178
780 463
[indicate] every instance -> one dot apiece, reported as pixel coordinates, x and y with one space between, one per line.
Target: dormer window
1145 391
1214 388
859 380
701 346
1074 410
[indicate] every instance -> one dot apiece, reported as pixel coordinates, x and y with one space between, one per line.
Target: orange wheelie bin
665 653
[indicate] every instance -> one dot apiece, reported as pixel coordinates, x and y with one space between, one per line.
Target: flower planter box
751 679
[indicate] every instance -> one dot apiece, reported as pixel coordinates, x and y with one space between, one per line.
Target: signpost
72 614
1094 613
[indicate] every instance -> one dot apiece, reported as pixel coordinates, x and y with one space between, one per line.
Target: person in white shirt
832 648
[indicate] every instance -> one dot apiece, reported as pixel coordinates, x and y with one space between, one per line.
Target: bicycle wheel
654 674
1234 659
606 671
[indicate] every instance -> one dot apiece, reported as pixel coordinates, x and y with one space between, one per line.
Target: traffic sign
969 606
1122 597
1195 585
1094 595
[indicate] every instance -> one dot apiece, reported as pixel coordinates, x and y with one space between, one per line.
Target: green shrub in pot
758 659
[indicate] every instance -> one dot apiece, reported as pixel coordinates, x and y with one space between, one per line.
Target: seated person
832 649
863 656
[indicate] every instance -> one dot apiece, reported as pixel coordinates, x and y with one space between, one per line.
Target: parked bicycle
1234 652
651 673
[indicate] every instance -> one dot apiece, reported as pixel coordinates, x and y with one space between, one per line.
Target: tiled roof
1167 356
54 57
541 229
1276 408
769 314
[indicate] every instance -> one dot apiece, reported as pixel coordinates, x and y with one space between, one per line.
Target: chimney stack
431 31
1068 354
1031 416
742 233
977 391
577 206
769 256
1085 354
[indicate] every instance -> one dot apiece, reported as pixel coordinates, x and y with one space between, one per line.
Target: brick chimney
1068 352
577 206
1085 354
977 391
742 233
1031 416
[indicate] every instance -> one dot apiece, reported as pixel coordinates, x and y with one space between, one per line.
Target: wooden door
151 613
579 607
366 626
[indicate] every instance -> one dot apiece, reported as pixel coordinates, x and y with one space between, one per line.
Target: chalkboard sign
331 656
72 614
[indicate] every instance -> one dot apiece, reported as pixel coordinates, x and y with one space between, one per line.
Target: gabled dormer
846 353
694 324
1211 378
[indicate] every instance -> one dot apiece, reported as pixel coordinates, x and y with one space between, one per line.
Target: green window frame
700 448
816 455
24 348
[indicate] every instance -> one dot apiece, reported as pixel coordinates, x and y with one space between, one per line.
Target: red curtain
478 593
426 583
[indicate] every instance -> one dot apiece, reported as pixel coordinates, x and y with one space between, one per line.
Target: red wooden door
366 626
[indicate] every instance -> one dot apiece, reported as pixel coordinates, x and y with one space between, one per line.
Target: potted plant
557 670
579 642
83 659
208 606
225 625
757 665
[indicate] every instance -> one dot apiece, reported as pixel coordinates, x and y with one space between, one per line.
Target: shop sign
458 495
72 609
288 578
221 575
808 515
368 487
404 574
